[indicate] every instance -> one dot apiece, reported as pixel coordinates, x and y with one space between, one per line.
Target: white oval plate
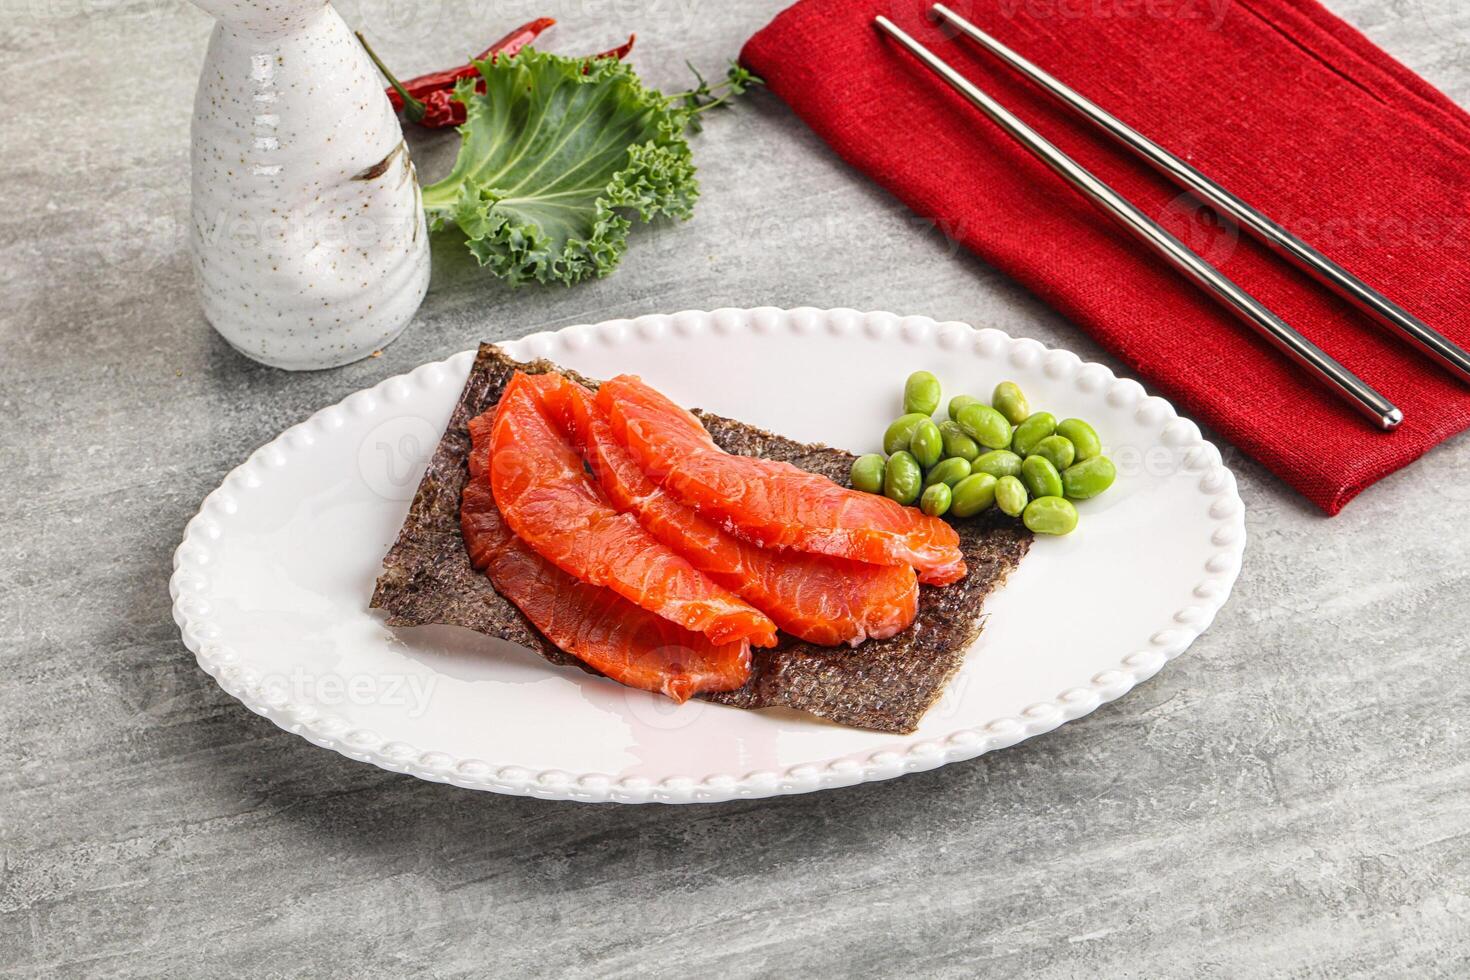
272 580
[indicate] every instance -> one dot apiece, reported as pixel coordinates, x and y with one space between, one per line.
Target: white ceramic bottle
308 232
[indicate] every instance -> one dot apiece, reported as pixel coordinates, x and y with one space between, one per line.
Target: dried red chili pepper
620 52
440 110
435 80
429 99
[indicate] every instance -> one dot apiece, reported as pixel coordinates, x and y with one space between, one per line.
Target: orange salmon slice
816 598
627 643
550 502
773 504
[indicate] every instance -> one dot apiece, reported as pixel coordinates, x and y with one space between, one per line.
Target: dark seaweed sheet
884 685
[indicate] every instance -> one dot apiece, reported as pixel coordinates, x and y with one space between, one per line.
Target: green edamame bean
1082 437
921 393
902 478
956 443
1011 495
1050 515
901 431
1038 474
926 445
1058 449
1036 428
1010 401
998 463
985 425
973 494
949 472
1089 477
958 402
867 473
936 500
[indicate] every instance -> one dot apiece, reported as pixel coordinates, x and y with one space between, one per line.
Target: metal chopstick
1346 285
1337 378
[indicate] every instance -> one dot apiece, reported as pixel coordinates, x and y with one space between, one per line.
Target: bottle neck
265 21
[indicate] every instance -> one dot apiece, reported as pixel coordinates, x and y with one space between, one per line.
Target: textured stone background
1289 798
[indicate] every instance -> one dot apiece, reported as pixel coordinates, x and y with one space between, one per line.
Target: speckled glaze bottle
308 232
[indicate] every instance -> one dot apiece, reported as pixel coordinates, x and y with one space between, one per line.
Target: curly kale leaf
556 157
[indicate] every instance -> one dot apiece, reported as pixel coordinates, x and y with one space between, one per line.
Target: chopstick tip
890 28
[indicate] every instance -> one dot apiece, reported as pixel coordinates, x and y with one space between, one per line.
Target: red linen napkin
1277 99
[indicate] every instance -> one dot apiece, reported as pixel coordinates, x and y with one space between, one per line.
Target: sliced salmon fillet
773 503
596 625
550 501
816 598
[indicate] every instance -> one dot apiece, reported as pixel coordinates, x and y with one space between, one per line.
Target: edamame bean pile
1000 454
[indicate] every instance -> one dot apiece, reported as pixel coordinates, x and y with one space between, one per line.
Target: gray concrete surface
1291 798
